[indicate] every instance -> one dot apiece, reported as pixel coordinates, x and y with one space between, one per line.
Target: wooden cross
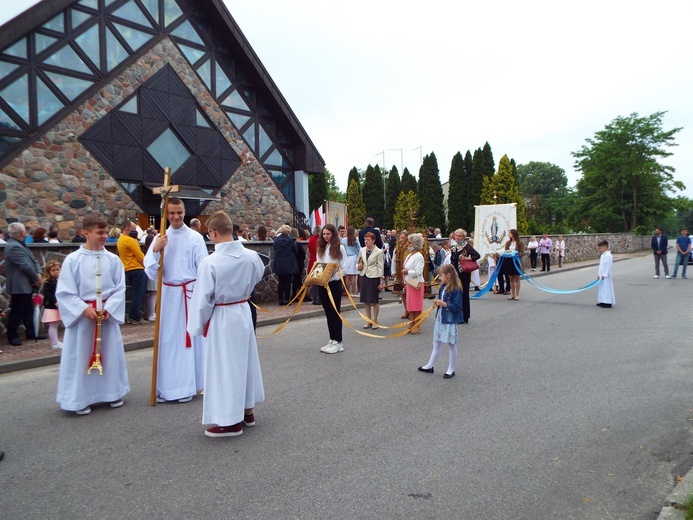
164 191
411 220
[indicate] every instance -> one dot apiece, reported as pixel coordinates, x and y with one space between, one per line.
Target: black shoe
448 376
39 337
15 342
465 321
427 370
605 305
476 288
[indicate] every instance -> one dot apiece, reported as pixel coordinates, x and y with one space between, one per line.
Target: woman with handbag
331 250
413 280
463 257
370 266
514 246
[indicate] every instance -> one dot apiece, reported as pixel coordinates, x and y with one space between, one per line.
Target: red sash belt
187 294
92 303
221 305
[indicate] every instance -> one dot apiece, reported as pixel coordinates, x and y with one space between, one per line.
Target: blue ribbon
513 256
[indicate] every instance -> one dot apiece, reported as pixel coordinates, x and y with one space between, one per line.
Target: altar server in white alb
78 300
219 309
181 355
605 296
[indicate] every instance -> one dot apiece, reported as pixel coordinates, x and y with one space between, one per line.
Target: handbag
468 266
413 281
321 274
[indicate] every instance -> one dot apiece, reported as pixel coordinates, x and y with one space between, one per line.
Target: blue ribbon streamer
514 257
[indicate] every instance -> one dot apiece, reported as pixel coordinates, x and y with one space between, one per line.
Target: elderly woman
463 250
412 270
39 236
114 234
285 265
371 267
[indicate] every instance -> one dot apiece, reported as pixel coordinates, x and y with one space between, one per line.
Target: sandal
375 327
367 326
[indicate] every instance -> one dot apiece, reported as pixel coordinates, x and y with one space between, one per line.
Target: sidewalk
39 353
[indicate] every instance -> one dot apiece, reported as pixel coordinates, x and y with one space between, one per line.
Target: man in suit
660 243
23 275
368 226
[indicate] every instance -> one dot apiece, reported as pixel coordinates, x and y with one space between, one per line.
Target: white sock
434 355
452 359
151 303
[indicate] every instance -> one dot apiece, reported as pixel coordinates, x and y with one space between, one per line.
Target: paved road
560 410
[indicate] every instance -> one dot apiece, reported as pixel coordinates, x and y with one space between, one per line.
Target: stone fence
578 248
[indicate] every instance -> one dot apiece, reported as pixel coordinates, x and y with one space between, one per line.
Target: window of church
171 12
17 49
79 17
6 122
47 102
88 41
187 32
132 13
115 52
71 87
6 68
43 41
135 38
168 150
67 58
17 96
191 54
57 24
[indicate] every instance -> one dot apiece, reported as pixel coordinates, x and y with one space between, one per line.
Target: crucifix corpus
165 192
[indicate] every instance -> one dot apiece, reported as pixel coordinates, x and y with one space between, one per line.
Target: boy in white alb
219 310
77 297
605 295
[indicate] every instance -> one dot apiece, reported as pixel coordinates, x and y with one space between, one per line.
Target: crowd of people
205 296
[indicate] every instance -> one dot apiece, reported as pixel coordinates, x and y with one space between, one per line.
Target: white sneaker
152 317
329 345
55 347
655 276
84 411
334 348
667 277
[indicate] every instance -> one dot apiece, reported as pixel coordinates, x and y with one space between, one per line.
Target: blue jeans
681 259
138 282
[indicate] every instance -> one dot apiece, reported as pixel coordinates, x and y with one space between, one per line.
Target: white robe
606 286
180 371
77 284
233 380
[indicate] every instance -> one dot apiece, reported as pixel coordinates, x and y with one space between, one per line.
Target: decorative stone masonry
56 179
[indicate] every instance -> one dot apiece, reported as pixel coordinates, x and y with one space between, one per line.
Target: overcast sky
533 78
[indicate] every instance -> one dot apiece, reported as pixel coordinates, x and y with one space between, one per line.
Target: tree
355 207
374 195
476 182
503 185
489 165
545 188
394 186
623 184
317 189
431 193
458 194
408 181
407 207
354 174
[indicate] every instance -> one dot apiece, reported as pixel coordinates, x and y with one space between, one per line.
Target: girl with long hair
51 315
509 267
331 250
448 315
353 248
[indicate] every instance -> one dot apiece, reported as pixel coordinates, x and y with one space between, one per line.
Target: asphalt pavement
559 410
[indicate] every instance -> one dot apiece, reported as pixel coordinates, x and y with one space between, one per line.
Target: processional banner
336 214
491 226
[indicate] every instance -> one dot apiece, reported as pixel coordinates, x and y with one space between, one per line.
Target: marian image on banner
491 226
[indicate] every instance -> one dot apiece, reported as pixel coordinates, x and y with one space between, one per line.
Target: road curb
674 503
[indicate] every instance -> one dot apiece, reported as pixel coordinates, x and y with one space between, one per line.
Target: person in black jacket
297 278
285 264
462 250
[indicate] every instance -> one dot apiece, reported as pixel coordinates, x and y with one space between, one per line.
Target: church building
97 97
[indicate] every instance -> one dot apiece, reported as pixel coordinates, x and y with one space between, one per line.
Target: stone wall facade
56 179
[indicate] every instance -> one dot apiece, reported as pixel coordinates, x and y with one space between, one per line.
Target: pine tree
356 209
458 194
355 175
394 187
476 182
317 189
431 193
407 206
408 181
505 187
373 195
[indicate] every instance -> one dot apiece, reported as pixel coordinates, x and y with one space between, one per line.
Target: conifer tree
355 175
431 193
406 207
476 182
394 187
505 187
458 194
355 206
408 181
489 165
317 190
374 195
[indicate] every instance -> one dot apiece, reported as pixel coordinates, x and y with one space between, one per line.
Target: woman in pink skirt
413 270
